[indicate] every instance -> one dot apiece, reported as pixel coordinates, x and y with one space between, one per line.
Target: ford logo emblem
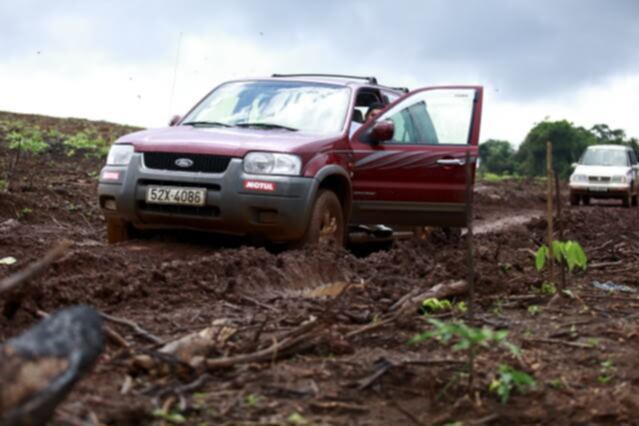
184 162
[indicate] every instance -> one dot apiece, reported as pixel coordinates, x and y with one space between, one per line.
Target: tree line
569 142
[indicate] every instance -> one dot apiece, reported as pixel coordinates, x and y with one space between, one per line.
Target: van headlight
120 155
619 179
269 163
578 178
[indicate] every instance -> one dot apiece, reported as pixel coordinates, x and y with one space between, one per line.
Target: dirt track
175 283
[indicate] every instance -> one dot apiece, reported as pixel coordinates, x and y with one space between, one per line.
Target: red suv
292 159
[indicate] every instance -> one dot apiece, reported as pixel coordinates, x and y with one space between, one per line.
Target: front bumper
280 215
600 190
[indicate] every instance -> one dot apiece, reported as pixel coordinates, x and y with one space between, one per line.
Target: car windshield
281 105
604 157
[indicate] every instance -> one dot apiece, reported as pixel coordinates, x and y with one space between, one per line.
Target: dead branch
560 342
410 304
135 326
35 268
385 365
601 265
303 334
112 336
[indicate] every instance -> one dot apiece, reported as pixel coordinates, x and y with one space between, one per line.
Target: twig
410 303
385 365
470 261
549 218
111 334
34 268
135 326
405 412
258 303
302 334
560 342
604 264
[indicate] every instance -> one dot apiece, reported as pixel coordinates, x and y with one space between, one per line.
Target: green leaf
558 249
540 257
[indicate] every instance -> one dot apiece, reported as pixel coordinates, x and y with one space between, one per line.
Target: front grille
204 211
602 179
209 186
201 162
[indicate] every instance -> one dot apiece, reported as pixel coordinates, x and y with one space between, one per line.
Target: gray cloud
525 49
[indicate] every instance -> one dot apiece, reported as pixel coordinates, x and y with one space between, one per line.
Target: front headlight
120 155
578 178
619 179
268 163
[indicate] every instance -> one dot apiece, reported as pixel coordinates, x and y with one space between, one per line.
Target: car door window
433 118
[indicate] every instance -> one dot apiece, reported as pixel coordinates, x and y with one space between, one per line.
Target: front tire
627 199
118 230
326 225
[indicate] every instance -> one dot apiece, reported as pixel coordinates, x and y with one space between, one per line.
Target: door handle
450 162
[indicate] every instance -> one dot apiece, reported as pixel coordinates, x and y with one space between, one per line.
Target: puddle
502 224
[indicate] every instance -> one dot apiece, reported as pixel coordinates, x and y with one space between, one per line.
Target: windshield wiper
206 123
266 126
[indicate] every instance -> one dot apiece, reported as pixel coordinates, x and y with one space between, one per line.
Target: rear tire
326 225
118 230
574 199
634 200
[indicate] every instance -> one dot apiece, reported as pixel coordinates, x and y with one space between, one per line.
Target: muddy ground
580 348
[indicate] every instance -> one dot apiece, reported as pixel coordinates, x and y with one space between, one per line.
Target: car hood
234 142
601 170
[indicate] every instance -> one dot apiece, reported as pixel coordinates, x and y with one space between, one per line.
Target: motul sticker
256 185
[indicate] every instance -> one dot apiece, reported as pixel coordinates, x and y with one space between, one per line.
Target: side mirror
635 167
383 131
175 120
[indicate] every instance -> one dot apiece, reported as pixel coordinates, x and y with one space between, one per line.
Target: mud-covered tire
118 230
574 199
586 200
326 225
627 199
634 200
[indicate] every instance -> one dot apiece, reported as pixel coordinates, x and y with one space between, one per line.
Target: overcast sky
140 62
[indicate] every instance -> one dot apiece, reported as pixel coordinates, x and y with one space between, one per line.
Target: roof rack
371 80
401 89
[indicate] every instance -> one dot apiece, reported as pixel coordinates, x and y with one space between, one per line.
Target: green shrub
87 143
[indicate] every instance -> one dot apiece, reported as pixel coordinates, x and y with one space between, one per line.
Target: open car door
417 176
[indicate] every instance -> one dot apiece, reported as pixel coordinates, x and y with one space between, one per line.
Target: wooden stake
469 235
549 176
562 266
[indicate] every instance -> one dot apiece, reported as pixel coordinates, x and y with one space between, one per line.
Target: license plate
176 195
598 189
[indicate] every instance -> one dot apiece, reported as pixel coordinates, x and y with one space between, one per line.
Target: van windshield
604 157
290 105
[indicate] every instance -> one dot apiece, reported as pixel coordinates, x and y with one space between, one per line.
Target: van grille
597 179
200 162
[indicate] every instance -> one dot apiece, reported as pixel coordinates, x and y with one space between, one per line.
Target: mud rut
176 283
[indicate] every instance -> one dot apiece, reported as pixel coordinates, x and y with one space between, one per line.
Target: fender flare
335 170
